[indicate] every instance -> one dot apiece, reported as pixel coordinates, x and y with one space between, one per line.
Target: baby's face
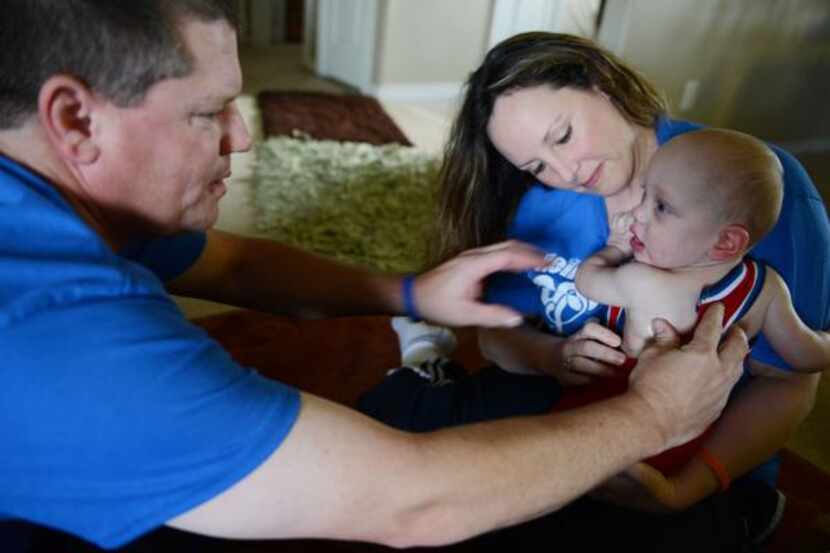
674 226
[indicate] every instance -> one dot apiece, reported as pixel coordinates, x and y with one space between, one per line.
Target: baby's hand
620 235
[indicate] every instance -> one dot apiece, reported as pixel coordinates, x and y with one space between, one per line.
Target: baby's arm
610 277
599 277
804 349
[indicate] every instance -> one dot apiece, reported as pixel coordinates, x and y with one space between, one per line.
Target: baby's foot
420 342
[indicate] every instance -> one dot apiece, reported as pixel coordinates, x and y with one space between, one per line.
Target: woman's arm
575 360
749 432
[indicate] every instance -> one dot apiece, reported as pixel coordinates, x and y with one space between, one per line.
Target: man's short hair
119 48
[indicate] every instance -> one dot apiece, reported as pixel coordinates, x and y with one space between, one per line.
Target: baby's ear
733 241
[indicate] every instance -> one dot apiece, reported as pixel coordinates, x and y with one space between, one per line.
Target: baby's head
710 195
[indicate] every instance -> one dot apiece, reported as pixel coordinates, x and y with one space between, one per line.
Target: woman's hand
586 355
573 361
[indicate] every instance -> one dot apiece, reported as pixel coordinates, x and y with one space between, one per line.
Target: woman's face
567 138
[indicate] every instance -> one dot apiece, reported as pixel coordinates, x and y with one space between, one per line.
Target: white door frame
356 66
511 17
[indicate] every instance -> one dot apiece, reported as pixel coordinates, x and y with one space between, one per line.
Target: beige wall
762 67
431 41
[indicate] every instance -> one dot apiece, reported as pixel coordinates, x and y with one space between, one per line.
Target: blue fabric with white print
568 226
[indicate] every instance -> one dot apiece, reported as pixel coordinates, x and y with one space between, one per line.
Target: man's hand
450 293
686 389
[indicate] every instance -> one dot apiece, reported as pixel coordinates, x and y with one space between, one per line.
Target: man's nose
236 138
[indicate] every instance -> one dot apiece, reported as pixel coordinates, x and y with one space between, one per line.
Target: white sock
421 342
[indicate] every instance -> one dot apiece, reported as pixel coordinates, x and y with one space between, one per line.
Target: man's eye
565 137
536 171
660 207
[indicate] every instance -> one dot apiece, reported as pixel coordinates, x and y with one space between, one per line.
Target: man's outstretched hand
451 293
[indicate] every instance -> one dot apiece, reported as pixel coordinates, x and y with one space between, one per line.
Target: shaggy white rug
364 204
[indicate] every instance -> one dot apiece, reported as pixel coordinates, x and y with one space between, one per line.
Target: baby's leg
431 391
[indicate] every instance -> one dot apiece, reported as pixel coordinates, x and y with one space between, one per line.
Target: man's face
164 161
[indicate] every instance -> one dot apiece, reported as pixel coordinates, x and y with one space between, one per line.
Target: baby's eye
660 207
536 171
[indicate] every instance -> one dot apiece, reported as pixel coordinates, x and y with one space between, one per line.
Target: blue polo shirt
117 414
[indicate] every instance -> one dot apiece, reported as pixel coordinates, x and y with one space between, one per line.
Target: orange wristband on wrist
717 468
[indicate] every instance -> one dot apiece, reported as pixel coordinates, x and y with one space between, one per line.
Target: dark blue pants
407 401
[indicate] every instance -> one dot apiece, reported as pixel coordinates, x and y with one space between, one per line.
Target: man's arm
268 276
342 475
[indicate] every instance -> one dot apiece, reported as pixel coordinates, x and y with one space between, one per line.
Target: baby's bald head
739 177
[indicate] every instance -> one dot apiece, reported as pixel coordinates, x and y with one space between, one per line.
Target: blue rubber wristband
409 309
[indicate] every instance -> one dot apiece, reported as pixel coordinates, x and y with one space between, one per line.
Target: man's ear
733 241
65 108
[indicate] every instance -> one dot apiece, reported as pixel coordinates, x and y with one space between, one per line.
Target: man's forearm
308 285
341 475
269 276
574 452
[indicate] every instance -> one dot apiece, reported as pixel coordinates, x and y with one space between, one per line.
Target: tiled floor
426 125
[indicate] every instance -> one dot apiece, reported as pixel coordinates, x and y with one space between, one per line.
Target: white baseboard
421 92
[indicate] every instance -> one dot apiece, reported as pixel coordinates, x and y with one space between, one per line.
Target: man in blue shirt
117 122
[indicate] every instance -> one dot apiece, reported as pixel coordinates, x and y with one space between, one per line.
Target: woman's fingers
591 349
600 333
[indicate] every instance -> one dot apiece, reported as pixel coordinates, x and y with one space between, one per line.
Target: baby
709 196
